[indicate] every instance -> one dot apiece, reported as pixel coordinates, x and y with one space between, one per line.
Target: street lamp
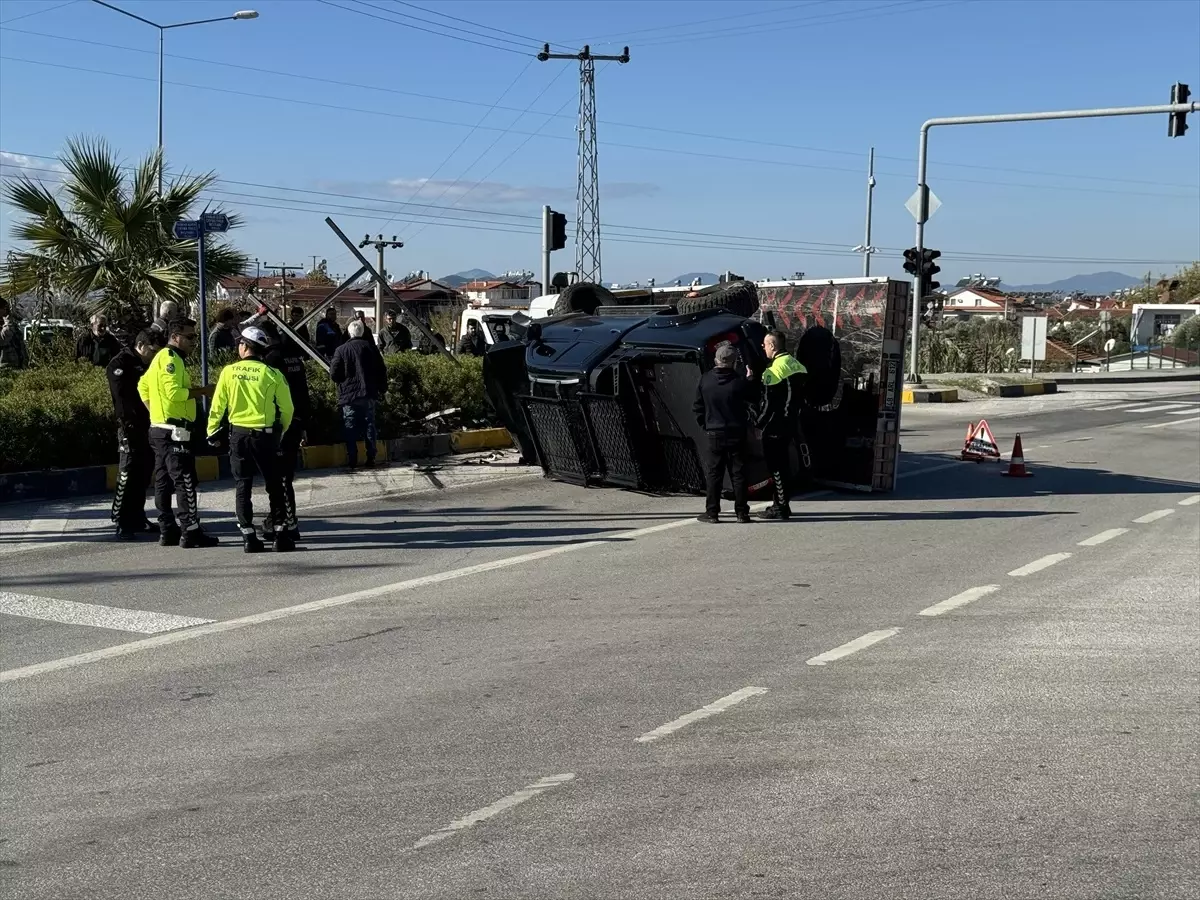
240 14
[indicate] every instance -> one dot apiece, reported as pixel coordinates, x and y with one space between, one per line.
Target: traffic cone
1016 462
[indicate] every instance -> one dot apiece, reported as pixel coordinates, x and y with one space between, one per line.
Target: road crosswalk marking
1171 422
68 612
1162 407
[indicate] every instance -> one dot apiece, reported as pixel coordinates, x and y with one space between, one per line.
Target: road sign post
194 230
1033 340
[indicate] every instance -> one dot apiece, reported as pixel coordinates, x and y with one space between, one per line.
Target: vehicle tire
821 354
738 297
584 297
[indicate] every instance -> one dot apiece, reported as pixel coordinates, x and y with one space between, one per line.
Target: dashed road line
1182 412
68 612
717 706
968 596
504 803
860 643
1153 516
1175 422
1111 407
1103 537
1190 501
1038 564
1153 409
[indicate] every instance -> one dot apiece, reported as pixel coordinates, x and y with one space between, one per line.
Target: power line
465 40
669 150
692 135
806 23
633 233
523 37
38 12
490 35
674 27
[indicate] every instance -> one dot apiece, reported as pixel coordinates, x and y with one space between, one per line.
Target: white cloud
27 164
445 192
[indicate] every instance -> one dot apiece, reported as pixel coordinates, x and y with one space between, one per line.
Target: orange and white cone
1016 462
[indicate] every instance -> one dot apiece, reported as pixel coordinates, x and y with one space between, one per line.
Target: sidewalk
34 526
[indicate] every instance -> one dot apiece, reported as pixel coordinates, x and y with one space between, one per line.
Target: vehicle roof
691 332
573 345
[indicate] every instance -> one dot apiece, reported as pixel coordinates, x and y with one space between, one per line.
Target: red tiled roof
487 285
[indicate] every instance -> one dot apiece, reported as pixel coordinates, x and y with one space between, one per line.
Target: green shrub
60 415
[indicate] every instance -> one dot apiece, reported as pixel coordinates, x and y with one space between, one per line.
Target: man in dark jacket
472 343
136 460
778 417
97 345
395 336
358 371
295 314
224 337
289 359
329 335
722 409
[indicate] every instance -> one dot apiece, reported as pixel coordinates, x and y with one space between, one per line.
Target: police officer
778 417
289 359
253 395
133 437
166 389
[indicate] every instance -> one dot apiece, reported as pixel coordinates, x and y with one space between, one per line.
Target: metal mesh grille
561 437
683 464
610 426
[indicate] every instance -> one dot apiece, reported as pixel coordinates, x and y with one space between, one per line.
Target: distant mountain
458 279
1095 283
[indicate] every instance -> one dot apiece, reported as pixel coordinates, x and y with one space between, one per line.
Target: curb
1034 389
949 395
59 484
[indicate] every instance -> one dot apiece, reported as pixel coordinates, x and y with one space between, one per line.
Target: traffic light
1177 122
928 269
910 260
558 230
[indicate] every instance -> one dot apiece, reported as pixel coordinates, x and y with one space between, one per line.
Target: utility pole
283 276
865 247
1176 110
587 195
380 245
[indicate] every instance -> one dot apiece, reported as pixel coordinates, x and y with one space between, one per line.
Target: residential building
497 293
977 301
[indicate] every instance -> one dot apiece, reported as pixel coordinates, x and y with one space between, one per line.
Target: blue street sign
188 230
215 222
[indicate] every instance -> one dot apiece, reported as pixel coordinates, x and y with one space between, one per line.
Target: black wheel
821 354
738 297
584 297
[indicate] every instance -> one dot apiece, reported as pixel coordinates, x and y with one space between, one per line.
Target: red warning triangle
980 442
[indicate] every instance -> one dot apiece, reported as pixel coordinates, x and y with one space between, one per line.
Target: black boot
169 536
251 544
284 542
126 534
196 538
776 512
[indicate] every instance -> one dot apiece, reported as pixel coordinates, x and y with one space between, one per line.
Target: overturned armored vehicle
602 395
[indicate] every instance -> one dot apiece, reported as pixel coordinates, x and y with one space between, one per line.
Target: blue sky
750 120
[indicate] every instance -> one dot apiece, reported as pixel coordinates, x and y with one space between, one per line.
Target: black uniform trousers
135 463
726 452
256 452
776 452
174 472
289 453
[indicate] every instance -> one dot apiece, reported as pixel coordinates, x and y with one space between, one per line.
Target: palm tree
112 241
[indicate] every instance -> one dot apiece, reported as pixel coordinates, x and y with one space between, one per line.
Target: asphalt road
974 687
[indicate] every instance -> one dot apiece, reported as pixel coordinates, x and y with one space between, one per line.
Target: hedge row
60 414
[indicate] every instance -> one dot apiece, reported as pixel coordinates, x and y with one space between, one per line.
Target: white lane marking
860 643
1038 564
717 706
1107 408
1152 409
1153 516
1103 537
1182 412
68 612
504 803
1168 424
1190 501
970 595
83 659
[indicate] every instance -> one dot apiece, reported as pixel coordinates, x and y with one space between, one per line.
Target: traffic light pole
545 250
1172 109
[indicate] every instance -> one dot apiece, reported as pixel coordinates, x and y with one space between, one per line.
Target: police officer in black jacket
133 428
722 409
289 359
